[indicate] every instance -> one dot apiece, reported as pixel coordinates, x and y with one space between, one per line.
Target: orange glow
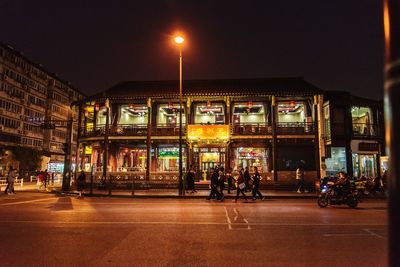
198 132
386 25
179 39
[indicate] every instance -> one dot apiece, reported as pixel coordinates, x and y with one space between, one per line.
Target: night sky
334 44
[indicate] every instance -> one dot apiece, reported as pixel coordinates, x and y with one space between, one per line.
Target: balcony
167 130
295 128
119 130
251 129
365 130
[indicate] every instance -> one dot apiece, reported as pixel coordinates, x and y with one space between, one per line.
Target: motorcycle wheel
352 202
322 201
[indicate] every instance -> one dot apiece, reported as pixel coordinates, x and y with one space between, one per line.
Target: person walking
81 183
247 179
221 183
300 180
230 180
214 183
241 186
45 179
11 178
256 185
8 183
190 180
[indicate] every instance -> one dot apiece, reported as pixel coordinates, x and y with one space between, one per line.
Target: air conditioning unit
1 127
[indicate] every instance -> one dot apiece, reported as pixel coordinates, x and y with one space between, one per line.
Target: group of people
244 183
11 176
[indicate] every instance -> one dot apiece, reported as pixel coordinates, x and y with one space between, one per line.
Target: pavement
156 193
42 229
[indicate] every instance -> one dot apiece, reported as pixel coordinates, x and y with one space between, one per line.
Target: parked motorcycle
330 196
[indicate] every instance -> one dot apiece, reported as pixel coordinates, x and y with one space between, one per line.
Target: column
148 139
274 139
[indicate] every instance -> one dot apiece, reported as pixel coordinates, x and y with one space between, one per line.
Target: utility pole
67 158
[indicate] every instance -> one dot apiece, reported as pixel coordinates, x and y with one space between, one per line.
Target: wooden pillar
274 139
148 139
316 139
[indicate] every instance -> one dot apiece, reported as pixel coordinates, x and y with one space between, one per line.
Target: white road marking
228 219
374 234
182 223
29 201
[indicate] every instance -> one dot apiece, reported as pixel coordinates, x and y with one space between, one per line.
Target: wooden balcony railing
295 128
251 129
365 130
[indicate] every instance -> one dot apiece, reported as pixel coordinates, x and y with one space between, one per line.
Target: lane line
375 234
228 219
178 223
29 201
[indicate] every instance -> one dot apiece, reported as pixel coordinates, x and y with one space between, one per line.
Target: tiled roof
295 86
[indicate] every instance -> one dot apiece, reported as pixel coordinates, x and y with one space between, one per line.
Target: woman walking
256 185
241 186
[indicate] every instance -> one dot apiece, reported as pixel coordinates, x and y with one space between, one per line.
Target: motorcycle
330 196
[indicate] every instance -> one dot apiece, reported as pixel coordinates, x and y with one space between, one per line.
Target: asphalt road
43 230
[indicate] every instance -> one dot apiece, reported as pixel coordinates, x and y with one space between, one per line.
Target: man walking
256 185
300 180
214 183
247 179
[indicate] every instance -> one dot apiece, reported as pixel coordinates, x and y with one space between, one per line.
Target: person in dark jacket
247 179
230 180
81 182
256 185
221 183
240 186
214 183
190 180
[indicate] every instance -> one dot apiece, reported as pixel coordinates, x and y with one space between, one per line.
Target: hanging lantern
250 104
292 103
97 107
86 113
170 105
209 104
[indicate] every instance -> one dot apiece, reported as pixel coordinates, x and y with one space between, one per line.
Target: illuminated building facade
269 123
30 96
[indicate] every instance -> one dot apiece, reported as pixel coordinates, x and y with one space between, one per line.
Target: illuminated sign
210 109
88 150
208 132
168 153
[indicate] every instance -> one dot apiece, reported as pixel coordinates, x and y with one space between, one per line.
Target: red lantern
86 113
209 104
250 104
97 107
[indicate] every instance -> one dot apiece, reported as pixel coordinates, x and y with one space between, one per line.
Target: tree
29 159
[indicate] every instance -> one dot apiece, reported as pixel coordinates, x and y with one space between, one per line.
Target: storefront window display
291 112
209 113
251 157
337 162
133 114
364 165
249 113
132 159
362 119
168 115
168 159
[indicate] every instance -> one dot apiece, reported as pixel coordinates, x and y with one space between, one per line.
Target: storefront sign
368 146
168 153
208 132
88 150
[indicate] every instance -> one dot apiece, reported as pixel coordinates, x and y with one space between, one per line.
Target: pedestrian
221 183
10 179
40 180
213 184
81 183
256 184
45 178
247 179
300 180
190 180
241 186
8 183
229 178
52 178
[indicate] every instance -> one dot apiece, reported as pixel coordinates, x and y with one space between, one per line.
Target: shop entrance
206 158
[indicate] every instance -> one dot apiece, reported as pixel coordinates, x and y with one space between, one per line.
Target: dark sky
335 44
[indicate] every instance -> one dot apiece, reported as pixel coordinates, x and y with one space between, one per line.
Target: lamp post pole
181 184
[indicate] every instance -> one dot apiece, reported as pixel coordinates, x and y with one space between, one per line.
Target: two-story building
269 123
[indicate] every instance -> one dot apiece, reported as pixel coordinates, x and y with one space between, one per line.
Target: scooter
329 196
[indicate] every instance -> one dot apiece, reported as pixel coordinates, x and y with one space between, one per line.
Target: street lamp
179 41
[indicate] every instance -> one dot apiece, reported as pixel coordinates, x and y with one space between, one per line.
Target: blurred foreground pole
391 11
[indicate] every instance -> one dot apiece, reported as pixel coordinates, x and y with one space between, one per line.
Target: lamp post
179 41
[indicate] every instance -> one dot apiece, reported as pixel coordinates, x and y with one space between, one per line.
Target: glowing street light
179 41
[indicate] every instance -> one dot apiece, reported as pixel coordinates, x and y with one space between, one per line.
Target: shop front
365 157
